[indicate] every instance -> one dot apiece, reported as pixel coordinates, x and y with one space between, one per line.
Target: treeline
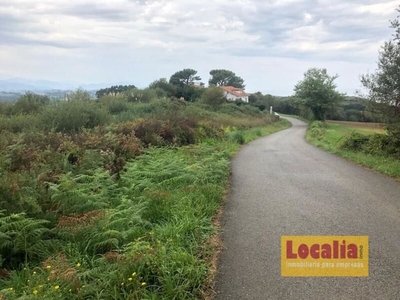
185 84
351 108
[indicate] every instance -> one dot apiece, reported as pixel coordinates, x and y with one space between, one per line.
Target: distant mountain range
12 89
25 85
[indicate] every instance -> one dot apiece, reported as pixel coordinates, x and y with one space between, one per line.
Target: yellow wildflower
35 292
56 287
34 273
143 283
78 265
133 274
130 278
10 289
48 267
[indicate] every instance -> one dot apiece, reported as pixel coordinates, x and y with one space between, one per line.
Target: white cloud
383 9
138 41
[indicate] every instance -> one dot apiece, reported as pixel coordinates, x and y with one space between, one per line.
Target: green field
332 137
344 127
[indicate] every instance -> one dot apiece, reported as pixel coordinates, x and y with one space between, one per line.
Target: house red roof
238 92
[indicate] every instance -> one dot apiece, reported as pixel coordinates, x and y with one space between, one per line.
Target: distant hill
12 89
24 85
21 85
52 94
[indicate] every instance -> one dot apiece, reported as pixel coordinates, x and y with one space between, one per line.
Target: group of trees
184 84
187 83
316 93
115 89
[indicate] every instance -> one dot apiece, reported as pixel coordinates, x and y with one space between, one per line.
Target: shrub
382 143
30 103
236 136
18 192
114 104
19 123
213 96
137 95
79 95
6 108
154 132
354 142
317 129
72 116
244 110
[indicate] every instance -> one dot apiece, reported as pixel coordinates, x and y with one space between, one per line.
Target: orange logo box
324 256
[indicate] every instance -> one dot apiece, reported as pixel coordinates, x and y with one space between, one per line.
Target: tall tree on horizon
185 77
317 92
221 77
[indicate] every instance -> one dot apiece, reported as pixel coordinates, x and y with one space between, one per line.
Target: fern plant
82 193
23 239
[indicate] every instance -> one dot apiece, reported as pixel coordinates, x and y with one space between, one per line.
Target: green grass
331 137
345 129
143 237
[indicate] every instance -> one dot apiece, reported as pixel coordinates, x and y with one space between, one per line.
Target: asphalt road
281 185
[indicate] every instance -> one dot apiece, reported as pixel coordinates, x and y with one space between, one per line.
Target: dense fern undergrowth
113 199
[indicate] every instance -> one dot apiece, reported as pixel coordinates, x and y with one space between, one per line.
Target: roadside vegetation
366 145
373 145
115 198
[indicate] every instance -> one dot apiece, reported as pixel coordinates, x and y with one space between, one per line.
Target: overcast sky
269 43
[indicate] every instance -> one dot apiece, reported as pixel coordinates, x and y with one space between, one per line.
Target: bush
317 129
114 104
19 123
73 115
354 142
244 110
236 136
381 143
155 132
6 108
137 95
213 96
30 103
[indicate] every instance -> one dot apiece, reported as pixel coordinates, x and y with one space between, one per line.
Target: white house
234 93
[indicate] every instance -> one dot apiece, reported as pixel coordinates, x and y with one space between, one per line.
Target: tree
213 96
163 84
184 77
317 92
115 89
396 25
225 78
384 85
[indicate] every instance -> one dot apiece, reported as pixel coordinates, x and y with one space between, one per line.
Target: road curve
281 185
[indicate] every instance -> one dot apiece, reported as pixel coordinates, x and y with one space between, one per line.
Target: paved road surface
281 185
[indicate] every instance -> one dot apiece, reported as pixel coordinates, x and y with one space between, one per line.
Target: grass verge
333 135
